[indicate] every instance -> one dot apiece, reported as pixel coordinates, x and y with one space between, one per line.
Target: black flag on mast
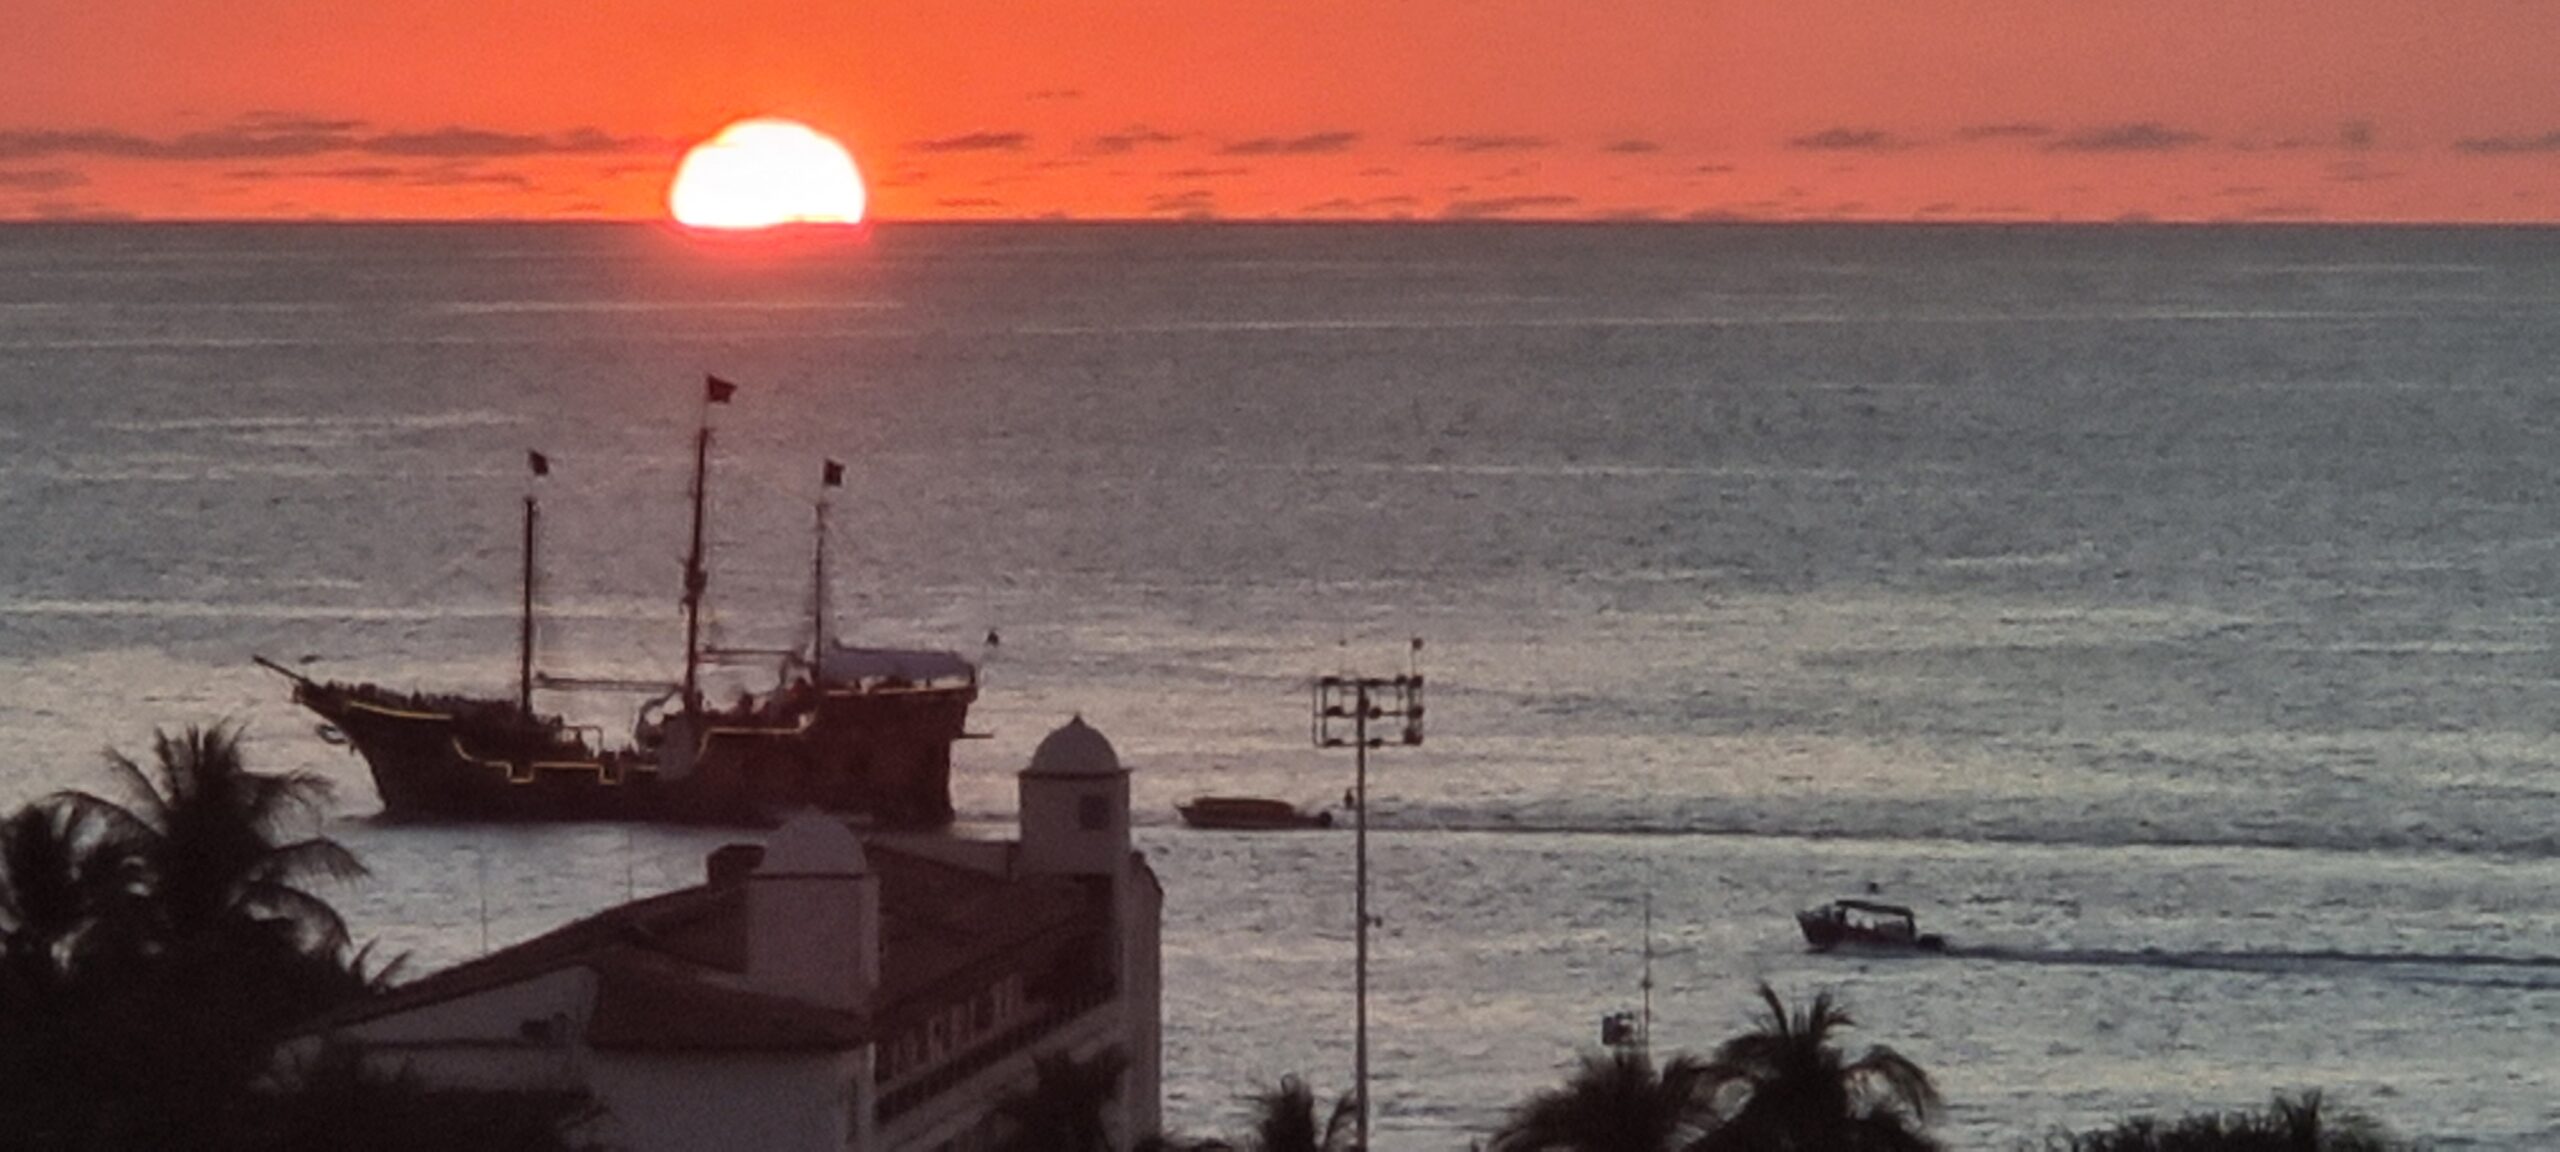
718 390
834 475
540 463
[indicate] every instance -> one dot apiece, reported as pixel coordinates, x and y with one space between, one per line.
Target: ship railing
528 769
536 769
898 686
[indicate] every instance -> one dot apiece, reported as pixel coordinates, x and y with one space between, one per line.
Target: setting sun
764 172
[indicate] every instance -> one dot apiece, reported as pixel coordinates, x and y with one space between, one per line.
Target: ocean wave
2468 968
1817 824
216 610
411 422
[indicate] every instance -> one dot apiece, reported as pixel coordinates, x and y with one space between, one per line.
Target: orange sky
1576 109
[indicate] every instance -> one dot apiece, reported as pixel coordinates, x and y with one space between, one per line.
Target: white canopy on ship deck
919 666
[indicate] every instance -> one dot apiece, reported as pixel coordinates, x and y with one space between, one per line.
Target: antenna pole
482 856
1360 906
1357 699
1644 1023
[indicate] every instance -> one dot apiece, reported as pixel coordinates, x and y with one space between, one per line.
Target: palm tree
1063 1110
200 837
49 900
47 893
1616 1102
1284 1120
183 931
1796 1093
2290 1124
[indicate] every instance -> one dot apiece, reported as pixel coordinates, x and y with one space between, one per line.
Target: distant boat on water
1249 813
1865 924
863 731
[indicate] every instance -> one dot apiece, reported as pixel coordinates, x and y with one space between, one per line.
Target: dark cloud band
266 136
1312 144
977 142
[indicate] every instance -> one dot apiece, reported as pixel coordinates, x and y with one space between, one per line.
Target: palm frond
318 856
1823 1018
1894 1078
384 976
40 869
1778 1025
1784 1083
1342 1125
1614 1102
144 803
1284 1119
272 800
318 924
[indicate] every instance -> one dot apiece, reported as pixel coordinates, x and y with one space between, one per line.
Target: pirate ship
861 731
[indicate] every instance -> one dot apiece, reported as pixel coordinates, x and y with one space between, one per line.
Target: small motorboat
1865 924
1249 813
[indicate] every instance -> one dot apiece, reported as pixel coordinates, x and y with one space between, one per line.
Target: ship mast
818 594
540 466
694 577
524 632
830 478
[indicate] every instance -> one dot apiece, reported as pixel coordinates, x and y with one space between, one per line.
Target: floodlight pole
1356 698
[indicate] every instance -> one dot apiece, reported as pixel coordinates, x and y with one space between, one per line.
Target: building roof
1075 749
670 968
649 1002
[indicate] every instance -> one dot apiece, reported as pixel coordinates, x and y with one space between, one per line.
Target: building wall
1141 930
1130 1021
694 1102
1074 825
814 938
959 1117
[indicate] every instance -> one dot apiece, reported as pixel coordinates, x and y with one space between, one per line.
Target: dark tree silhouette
47 894
1616 1102
333 1103
157 948
1284 1120
199 837
1063 1109
2290 1124
1784 1087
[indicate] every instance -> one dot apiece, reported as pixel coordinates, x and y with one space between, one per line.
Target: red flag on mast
834 475
719 390
540 463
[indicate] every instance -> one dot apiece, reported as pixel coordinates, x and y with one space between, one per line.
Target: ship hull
881 756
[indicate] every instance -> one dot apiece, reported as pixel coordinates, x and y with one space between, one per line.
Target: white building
824 992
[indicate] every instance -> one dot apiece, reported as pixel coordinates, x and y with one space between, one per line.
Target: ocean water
2168 614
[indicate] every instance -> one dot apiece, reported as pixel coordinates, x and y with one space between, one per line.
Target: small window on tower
1093 813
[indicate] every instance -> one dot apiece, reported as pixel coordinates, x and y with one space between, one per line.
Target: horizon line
1299 221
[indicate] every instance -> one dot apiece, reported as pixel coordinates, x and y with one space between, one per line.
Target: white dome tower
813 915
1075 822
1075 805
